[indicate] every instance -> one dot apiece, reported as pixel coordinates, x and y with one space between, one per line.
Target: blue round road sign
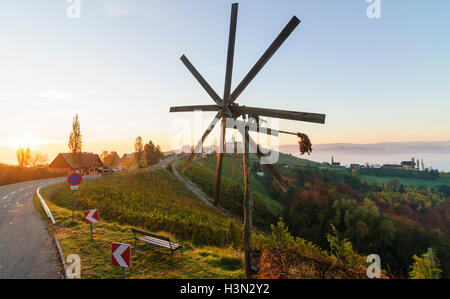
74 179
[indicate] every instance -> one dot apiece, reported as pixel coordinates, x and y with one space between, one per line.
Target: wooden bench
157 240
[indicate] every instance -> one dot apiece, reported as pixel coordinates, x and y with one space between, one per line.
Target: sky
118 67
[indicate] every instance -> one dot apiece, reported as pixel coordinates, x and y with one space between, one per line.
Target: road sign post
91 217
121 256
74 180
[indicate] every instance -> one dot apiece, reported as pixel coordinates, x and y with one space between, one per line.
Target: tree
38 159
153 153
111 160
104 156
422 268
27 158
23 156
128 161
75 143
413 160
139 149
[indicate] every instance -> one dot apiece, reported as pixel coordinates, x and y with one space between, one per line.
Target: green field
410 182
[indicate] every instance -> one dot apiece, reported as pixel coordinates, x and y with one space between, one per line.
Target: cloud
115 8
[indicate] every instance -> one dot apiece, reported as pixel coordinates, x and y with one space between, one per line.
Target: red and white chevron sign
91 216
121 255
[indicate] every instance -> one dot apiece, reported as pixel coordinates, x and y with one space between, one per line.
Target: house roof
407 163
85 160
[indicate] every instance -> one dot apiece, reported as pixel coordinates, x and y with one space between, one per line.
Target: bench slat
160 243
155 241
145 233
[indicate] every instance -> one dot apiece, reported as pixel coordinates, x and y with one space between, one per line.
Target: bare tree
38 159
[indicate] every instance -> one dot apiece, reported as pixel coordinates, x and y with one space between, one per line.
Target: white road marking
5 197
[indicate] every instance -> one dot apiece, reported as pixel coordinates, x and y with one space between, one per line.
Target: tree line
146 154
28 158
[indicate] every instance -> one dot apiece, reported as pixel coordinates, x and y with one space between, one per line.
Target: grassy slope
202 173
232 170
199 261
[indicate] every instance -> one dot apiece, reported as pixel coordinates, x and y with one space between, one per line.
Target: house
260 172
355 166
408 165
335 163
84 163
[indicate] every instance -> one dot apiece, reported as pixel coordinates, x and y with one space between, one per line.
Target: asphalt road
26 250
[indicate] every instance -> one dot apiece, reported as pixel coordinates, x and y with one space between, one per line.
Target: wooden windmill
227 108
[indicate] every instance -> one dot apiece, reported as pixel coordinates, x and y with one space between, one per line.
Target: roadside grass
199 262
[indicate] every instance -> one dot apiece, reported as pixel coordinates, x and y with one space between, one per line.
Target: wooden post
432 265
220 161
248 208
73 207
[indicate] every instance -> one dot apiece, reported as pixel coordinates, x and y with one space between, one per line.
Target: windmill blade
227 91
206 108
201 80
231 47
272 171
268 167
200 142
282 114
252 128
290 27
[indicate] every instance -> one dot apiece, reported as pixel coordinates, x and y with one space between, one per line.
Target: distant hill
378 148
435 154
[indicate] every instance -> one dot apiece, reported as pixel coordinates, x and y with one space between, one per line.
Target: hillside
156 201
393 220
